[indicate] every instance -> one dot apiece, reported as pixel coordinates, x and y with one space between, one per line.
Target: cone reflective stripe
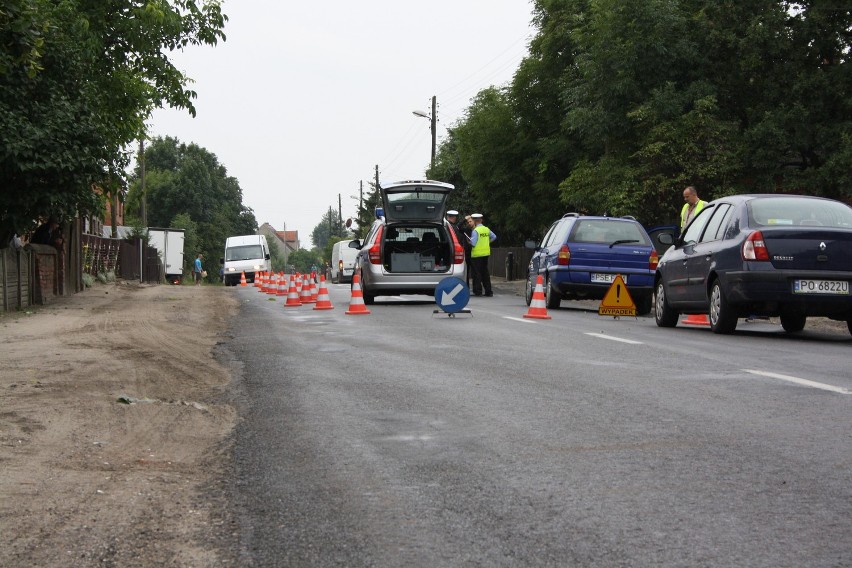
282 285
243 278
292 294
538 305
696 319
323 301
356 303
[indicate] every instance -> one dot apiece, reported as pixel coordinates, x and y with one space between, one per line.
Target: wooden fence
15 278
509 262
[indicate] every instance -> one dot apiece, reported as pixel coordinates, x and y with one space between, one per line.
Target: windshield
802 211
245 252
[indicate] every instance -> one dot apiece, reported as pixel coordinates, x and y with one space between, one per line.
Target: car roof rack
631 217
572 214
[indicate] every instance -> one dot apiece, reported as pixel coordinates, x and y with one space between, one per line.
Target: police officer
690 209
481 238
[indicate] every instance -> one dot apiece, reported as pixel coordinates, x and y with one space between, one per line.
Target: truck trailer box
169 245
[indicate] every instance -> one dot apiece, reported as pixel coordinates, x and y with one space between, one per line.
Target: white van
246 253
342 262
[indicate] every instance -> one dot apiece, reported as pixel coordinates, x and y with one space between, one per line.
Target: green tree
77 80
186 183
304 259
330 227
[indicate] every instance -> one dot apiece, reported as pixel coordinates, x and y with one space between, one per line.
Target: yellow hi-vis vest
483 244
698 207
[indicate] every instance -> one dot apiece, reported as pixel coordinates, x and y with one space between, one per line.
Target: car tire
644 304
723 320
793 322
665 315
369 298
849 326
552 298
528 289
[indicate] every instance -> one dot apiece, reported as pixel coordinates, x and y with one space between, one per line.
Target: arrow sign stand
452 295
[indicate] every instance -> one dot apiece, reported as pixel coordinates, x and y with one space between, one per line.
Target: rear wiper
623 241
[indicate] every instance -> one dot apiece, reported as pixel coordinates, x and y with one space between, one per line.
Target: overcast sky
305 98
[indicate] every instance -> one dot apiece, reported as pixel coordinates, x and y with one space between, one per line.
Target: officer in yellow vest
481 238
692 206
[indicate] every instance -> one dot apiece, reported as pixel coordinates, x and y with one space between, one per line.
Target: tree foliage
186 187
619 105
77 80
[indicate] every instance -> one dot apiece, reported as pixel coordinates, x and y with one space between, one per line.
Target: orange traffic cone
305 295
356 304
272 288
696 319
314 288
282 286
243 278
258 281
292 294
538 305
323 301
257 278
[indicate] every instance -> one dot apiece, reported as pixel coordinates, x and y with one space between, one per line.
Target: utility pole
433 126
142 176
339 214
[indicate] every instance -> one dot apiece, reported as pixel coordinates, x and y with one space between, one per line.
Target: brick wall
46 271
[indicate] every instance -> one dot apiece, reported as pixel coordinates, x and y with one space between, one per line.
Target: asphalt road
408 438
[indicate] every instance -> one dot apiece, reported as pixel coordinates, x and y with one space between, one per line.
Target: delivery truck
245 253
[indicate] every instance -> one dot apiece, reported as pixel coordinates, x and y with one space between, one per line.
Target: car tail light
339 266
458 250
654 260
754 247
564 256
376 249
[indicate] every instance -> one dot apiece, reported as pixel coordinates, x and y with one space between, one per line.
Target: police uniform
480 250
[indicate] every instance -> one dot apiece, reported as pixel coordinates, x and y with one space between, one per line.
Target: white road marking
798 381
519 319
611 338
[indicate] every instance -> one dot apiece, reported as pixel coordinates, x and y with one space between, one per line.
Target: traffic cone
258 281
282 286
305 294
272 288
292 294
243 278
323 301
314 288
696 319
356 303
538 305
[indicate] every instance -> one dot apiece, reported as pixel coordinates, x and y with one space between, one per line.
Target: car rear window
396 233
608 231
802 211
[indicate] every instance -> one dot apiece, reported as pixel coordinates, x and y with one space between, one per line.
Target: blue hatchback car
580 255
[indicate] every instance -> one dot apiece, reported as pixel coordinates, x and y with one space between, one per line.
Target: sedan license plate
602 278
836 287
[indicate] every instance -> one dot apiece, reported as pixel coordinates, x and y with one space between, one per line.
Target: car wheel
369 299
849 325
643 305
793 322
663 313
552 297
722 317
528 289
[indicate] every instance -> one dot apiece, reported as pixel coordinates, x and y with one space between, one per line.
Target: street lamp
432 120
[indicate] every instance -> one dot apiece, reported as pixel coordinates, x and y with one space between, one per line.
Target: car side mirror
221 260
666 238
531 244
266 256
356 244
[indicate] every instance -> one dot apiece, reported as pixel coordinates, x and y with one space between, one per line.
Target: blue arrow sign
452 294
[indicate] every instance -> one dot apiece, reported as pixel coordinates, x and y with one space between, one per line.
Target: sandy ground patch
88 479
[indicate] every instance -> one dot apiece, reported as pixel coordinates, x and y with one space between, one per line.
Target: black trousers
481 276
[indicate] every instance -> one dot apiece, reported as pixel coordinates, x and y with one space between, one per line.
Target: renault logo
822 246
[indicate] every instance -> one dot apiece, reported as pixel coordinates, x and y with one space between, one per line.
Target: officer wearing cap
480 249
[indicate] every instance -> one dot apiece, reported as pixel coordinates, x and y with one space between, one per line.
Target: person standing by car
461 237
690 209
480 242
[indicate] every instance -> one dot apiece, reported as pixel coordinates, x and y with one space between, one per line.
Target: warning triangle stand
617 301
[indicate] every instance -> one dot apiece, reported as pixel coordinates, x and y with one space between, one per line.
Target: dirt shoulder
89 480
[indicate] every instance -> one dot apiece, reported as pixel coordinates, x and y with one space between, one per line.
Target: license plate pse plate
834 287
605 278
